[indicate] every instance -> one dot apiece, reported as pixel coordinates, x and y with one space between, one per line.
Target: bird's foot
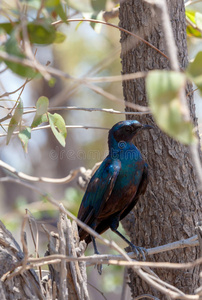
98 266
139 251
99 269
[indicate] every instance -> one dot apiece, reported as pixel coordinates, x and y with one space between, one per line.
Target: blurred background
87 51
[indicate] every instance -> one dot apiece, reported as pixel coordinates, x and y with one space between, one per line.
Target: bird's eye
128 129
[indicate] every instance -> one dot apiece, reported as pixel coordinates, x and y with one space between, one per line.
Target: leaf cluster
56 122
164 88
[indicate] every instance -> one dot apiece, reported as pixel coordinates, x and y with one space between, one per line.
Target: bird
116 186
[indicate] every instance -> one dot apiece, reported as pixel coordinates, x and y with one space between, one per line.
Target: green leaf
60 37
57 7
25 136
15 120
12 47
41 110
194 71
94 17
98 5
190 14
57 124
60 11
8 27
193 32
198 19
163 89
78 25
41 32
52 82
52 3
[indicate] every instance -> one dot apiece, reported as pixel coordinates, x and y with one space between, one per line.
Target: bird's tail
84 236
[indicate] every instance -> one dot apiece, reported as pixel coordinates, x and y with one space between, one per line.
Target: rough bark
22 286
68 279
171 206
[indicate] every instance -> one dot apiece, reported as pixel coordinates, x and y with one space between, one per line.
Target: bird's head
125 131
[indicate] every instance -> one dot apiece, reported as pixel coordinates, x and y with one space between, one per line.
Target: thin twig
27 45
116 78
40 9
173 288
68 91
36 243
115 26
111 97
15 91
101 293
67 126
106 110
105 259
63 108
23 176
5 69
192 2
26 254
38 67
146 296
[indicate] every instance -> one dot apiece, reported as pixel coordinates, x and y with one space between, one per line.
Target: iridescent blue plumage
116 186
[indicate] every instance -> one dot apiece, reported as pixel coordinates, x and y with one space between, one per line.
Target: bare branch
23 176
192 2
15 91
116 78
106 110
111 97
67 126
115 26
109 259
63 292
38 67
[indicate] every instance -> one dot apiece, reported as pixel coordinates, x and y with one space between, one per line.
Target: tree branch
115 26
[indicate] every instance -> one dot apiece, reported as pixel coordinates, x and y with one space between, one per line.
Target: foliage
40 31
164 89
15 120
194 71
25 30
166 105
194 26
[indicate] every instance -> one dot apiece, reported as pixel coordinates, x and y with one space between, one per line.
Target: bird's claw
139 251
99 269
98 266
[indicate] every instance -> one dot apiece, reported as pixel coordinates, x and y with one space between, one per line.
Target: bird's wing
140 191
99 190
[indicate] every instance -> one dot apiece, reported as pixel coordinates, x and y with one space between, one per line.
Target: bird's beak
146 126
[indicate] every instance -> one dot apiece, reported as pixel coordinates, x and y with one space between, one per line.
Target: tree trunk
171 206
